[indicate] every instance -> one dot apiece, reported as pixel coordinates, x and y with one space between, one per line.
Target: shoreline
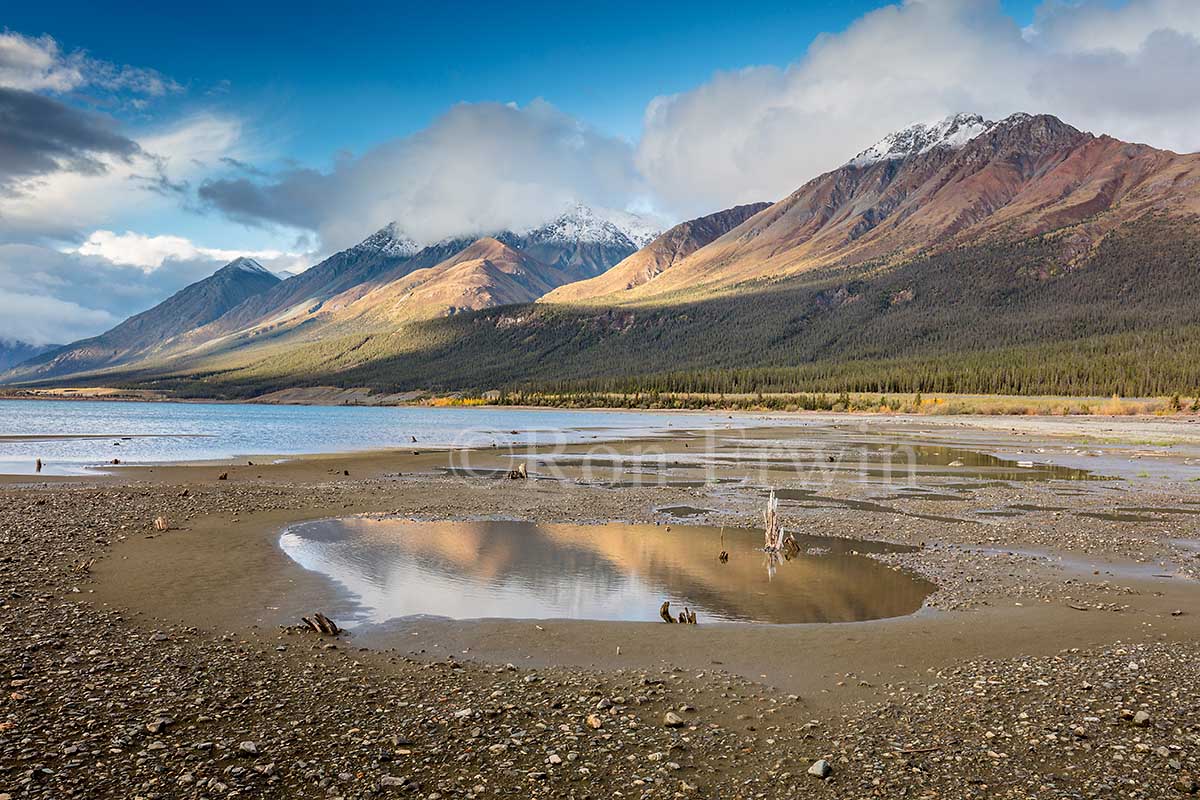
932 404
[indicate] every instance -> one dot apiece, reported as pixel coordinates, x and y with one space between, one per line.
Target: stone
248 749
1141 719
673 720
820 769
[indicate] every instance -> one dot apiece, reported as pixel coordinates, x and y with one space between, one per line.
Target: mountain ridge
147 332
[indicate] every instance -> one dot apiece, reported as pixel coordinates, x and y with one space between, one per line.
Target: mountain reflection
464 570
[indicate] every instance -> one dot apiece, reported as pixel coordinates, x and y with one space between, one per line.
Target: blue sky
321 77
289 130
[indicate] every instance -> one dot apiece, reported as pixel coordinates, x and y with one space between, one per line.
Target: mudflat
1055 657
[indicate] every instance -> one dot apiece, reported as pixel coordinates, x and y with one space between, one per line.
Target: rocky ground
109 701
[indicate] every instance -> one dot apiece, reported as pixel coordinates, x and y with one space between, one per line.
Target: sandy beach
1057 657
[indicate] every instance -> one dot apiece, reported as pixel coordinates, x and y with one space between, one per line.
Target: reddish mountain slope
1022 176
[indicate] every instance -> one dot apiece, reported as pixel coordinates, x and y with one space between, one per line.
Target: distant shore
933 404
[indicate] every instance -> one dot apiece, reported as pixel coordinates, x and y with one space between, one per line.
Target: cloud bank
761 132
478 167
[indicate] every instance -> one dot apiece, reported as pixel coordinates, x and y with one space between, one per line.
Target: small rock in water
820 769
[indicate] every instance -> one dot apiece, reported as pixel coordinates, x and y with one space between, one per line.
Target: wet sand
1038 614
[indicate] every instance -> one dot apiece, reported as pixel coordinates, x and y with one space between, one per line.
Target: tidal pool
393 568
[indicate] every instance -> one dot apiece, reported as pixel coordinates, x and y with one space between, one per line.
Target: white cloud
38 64
761 132
150 252
40 319
1095 27
478 167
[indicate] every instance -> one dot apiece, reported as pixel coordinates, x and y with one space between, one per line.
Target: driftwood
224 476
322 624
772 527
686 617
775 539
161 524
519 473
83 566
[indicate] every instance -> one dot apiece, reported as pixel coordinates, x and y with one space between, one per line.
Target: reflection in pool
398 568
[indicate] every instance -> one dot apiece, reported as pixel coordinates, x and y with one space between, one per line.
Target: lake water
393 568
69 435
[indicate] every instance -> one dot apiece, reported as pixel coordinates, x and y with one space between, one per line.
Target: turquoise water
70 436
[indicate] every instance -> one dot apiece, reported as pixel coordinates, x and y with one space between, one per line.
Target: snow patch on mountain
248 265
953 132
641 229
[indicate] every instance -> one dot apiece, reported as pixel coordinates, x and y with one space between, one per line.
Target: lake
70 436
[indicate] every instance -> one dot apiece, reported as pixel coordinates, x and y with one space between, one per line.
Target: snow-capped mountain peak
640 229
390 240
581 223
952 132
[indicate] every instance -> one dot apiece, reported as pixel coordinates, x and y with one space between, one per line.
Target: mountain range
949 253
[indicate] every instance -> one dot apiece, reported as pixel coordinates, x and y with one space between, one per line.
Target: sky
141 148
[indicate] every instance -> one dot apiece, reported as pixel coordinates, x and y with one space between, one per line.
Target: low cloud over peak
478 167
